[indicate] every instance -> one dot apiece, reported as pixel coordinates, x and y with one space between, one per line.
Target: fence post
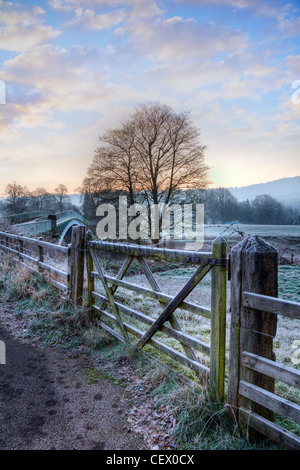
254 268
218 322
76 264
21 246
41 255
90 279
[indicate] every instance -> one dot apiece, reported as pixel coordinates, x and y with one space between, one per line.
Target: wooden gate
108 310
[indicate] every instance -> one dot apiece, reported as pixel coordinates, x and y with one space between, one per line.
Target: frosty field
212 231
286 342
286 238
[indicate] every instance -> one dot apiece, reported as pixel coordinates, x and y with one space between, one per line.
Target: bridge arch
70 224
42 223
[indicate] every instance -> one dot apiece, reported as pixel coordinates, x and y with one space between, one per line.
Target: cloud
56 74
33 118
143 9
24 28
259 7
47 79
176 38
61 5
241 74
7 134
279 13
133 9
289 26
293 63
88 19
289 111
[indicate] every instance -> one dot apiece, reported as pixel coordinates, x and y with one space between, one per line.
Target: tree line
19 199
222 206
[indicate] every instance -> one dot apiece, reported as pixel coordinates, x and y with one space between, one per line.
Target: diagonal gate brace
172 319
110 296
199 274
121 274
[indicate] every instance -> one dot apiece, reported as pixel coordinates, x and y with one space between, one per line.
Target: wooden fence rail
32 253
21 246
272 305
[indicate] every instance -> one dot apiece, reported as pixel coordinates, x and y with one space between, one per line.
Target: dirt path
52 400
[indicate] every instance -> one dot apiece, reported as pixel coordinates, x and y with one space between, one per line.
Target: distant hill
285 190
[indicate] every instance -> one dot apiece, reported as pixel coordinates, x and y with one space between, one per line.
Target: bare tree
16 198
115 163
62 196
38 197
156 151
153 154
168 152
221 205
267 210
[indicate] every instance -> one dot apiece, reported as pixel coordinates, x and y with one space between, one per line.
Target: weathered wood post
21 246
76 264
41 255
218 321
90 278
254 268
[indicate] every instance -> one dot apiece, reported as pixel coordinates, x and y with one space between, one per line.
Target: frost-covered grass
212 231
289 282
286 347
286 343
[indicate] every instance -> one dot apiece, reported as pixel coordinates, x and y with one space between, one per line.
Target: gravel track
52 400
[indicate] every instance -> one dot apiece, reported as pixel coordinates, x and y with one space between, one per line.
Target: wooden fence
252 363
44 258
254 305
39 256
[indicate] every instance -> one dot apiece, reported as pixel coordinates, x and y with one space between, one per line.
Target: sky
70 69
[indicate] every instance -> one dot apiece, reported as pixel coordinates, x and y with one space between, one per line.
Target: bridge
39 222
